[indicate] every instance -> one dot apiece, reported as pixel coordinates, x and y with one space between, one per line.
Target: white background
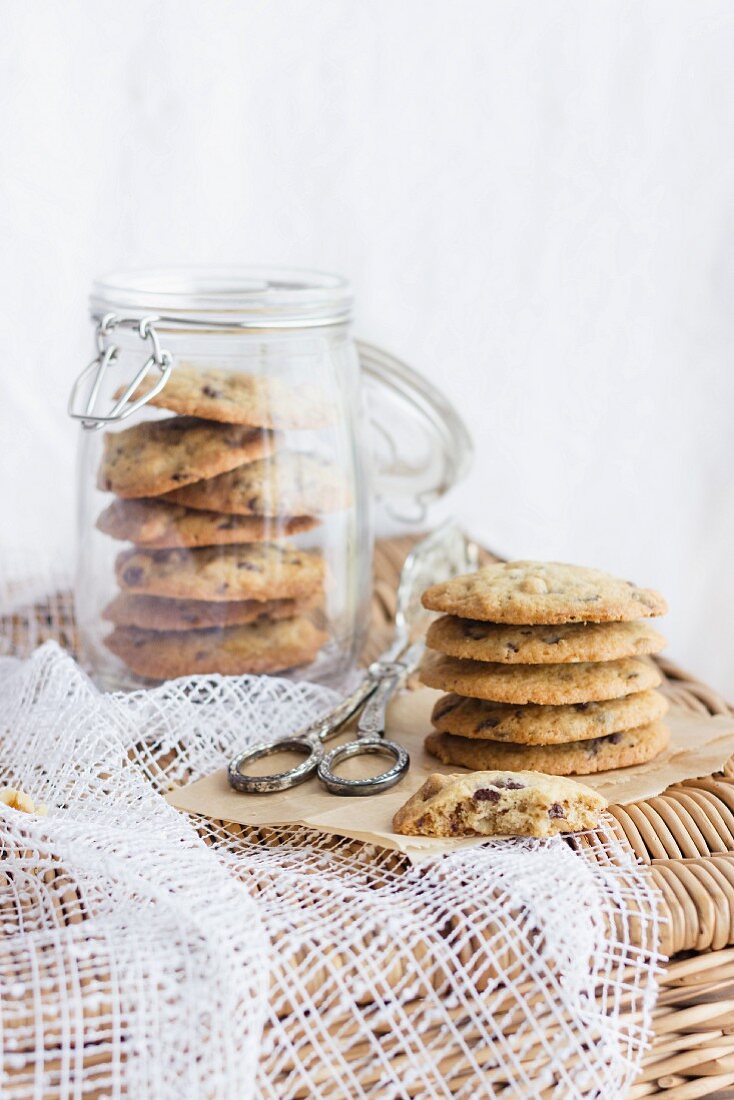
533 200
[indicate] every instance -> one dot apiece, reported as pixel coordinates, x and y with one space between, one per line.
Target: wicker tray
685 836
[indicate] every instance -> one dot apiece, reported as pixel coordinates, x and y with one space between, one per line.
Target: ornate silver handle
107 353
388 675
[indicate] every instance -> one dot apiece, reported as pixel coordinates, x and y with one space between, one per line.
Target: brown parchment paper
699 745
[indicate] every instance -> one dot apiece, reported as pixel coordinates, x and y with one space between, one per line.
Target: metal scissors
441 554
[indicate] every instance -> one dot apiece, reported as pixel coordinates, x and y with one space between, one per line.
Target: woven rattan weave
685 836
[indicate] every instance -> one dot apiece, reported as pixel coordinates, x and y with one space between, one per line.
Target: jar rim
233 295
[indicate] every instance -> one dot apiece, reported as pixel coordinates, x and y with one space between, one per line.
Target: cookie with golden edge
528 592
258 648
158 455
158 524
533 724
499 803
159 613
618 750
541 644
232 397
289 484
255 571
580 682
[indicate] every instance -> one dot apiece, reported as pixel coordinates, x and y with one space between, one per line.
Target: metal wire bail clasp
107 353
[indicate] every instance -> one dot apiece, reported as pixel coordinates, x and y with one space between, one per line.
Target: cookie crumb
16 799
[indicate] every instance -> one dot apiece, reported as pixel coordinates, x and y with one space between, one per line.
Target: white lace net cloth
142 958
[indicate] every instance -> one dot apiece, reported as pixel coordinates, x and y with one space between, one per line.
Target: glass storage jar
234 440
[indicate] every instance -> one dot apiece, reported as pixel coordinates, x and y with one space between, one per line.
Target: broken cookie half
499 803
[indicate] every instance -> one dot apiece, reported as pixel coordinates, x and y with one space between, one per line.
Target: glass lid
243 297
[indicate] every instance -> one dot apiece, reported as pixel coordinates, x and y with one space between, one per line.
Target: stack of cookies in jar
546 668
211 499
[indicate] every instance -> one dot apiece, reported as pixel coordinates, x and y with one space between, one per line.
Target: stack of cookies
209 498
547 669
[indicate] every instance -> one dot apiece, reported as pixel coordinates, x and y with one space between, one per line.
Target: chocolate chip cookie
545 725
158 524
159 613
530 645
527 592
259 401
157 455
290 485
257 648
582 682
260 571
499 803
618 750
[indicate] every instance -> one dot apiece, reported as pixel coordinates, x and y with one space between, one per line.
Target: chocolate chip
511 648
614 738
485 794
488 723
556 810
581 706
177 477
133 575
253 503
476 631
446 706
210 391
251 566
510 784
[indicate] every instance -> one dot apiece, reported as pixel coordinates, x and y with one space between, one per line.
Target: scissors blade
390 675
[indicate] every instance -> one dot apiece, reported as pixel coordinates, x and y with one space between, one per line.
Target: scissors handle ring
278 781
374 784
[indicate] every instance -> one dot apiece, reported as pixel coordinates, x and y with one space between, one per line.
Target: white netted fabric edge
515 969
147 954
120 955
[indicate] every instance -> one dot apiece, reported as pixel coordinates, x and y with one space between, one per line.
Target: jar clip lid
106 356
